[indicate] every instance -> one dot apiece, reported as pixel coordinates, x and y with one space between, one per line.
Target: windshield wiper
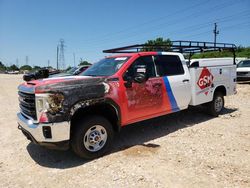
90 75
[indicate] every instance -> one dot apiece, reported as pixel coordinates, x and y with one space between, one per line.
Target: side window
168 65
146 61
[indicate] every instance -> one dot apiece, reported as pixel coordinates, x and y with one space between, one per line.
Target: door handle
185 80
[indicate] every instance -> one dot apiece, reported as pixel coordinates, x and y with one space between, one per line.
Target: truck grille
27 104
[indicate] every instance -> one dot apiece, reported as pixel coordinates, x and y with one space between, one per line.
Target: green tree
26 67
13 67
35 68
82 62
159 44
67 69
240 52
2 67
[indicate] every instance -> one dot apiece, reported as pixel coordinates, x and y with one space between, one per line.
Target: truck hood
243 69
60 84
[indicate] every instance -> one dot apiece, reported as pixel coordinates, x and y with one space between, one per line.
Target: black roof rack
188 47
176 46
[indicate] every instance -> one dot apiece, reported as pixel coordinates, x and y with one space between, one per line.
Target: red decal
205 80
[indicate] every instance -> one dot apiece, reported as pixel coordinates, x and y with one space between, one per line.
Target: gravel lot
186 149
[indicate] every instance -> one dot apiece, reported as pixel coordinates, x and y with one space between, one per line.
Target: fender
221 88
84 104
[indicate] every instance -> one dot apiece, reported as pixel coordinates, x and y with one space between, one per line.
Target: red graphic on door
205 80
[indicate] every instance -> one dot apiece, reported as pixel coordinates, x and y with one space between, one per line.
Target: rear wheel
216 105
92 137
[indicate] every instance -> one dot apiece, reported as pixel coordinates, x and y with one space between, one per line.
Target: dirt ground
185 149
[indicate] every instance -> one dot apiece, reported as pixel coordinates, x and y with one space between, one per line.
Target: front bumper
58 136
243 78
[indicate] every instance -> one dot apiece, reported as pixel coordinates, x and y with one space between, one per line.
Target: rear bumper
54 135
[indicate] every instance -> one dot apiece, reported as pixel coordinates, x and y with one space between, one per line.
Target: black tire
216 105
80 136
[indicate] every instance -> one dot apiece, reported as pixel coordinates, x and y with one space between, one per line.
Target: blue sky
33 28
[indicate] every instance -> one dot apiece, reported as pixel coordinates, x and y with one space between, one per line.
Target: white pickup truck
83 112
243 70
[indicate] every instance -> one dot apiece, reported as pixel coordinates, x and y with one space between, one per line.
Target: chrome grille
27 104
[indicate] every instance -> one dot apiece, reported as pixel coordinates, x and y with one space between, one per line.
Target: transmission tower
61 62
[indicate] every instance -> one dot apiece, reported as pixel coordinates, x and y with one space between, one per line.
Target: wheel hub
95 138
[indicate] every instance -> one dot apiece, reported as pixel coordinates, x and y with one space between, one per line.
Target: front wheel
92 137
216 105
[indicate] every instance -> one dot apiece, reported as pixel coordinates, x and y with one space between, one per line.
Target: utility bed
208 74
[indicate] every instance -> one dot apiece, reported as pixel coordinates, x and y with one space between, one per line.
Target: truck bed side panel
205 80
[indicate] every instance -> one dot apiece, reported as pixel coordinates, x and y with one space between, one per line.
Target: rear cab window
168 65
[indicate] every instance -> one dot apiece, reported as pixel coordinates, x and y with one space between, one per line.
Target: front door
143 100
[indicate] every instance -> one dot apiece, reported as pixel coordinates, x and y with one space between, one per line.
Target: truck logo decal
205 80
170 95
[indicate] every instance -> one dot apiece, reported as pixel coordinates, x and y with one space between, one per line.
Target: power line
234 27
173 21
186 9
189 28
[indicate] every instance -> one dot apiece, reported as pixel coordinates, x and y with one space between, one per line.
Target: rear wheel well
106 110
221 89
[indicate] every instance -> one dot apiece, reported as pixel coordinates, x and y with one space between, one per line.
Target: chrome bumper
59 131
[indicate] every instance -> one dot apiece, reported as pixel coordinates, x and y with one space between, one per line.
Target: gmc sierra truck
83 112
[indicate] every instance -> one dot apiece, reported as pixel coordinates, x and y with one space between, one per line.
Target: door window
146 61
168 65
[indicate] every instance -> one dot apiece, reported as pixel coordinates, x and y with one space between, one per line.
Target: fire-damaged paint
75 92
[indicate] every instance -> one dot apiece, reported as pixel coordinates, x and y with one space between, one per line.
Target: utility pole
216 32
27 60
48 63
17 62
57 50
74 59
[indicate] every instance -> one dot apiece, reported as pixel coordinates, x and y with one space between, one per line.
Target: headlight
51 103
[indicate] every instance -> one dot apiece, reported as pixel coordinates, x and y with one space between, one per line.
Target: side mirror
140 77
140 74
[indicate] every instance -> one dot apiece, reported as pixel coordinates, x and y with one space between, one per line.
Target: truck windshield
244 64
105 67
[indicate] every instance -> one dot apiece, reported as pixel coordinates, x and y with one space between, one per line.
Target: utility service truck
141 82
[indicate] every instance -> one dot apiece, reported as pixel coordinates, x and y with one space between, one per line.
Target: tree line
29 68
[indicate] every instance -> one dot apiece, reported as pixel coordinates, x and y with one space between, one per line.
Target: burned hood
74 85
75 90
